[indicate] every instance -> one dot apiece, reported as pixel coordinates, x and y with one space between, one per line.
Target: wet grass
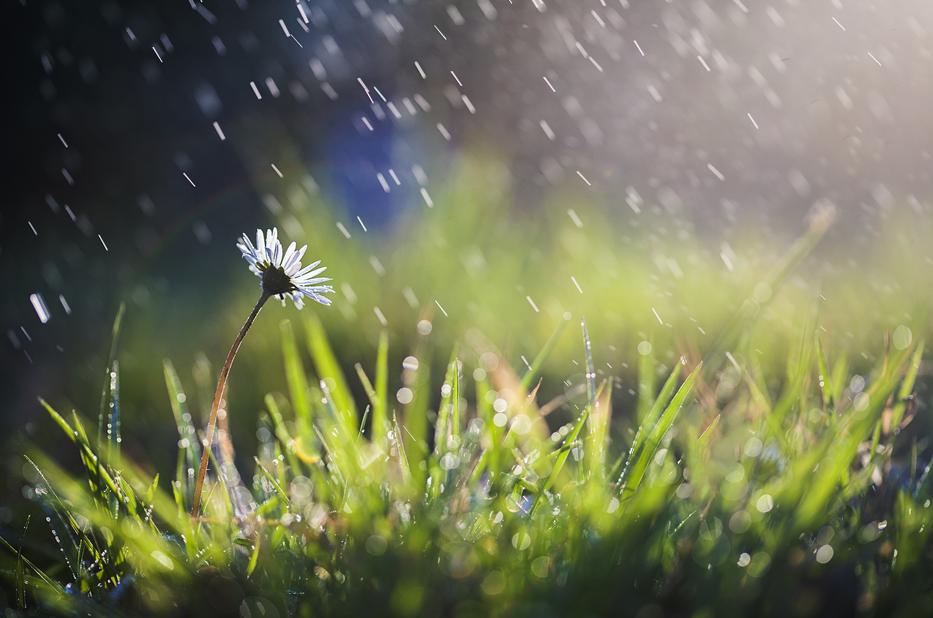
725 489
704 442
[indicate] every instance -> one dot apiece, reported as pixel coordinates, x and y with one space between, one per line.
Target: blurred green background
475 270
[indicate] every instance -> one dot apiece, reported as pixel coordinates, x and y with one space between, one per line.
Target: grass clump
724 488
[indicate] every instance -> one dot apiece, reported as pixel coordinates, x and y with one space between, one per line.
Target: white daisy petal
312 282
307 268
295 265
310 275
288 253
318 298
292 262
248 244
272 238
274 247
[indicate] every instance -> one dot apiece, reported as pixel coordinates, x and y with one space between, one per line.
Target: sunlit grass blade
906 388
105 409
87 454
650 419
415 399
637 467
447 425
325 362
272 481
571 441
826 391
647 383
188 443
380 402
535 369
296 378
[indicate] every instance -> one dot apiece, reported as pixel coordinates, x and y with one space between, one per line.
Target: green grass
678 438
730 489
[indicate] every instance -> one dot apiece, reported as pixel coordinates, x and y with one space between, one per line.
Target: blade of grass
111 356
325 362
907 387
295 378
380 402
635 470
539 360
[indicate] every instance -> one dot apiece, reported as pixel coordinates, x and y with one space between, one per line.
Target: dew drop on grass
765 503
521 424
824 554
753 447
450 461
857 384
540 566
405 395
736 475
521 541
901 337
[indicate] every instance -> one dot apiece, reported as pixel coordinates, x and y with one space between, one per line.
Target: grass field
521 418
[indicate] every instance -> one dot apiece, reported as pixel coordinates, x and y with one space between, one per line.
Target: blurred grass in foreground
741 430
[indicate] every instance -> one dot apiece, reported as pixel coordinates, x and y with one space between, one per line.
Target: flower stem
215 405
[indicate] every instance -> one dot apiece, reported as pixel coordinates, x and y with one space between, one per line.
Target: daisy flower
281 275
281 272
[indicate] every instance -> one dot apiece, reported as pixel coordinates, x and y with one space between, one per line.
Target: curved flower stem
215 405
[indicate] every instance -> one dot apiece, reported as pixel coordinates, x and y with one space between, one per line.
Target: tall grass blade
325 362
535 369
111 356
637 467
296 378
